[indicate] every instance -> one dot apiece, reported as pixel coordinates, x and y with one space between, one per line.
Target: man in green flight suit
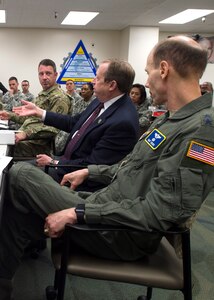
34 137
162 182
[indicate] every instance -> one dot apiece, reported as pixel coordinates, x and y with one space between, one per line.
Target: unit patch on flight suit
201 152
155 139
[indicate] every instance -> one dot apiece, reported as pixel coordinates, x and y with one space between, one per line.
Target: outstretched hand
28 109
75 178
4 115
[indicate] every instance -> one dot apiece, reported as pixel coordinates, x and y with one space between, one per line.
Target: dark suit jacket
107 140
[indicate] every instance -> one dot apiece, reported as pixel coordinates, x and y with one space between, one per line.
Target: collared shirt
108 103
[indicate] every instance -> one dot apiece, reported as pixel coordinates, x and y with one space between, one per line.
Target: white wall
141 42
124 43
22 49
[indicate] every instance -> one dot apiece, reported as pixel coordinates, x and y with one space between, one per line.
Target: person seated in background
109 137
70 89
159 185
87 94
33 136
139 98
206 87
14 96
25 90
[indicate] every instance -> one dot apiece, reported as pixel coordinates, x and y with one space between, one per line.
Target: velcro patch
201 152
155 139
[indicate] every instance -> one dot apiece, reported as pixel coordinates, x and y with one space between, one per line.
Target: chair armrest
178 237
103 227
23 158
74 167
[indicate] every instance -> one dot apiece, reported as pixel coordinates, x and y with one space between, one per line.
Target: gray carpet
34 275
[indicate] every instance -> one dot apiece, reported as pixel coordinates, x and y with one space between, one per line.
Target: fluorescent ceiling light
79 18
2 16
187 16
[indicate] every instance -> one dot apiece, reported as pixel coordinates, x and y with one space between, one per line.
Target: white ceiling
114 14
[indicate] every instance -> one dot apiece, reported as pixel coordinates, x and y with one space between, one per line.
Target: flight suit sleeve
177 189
102 173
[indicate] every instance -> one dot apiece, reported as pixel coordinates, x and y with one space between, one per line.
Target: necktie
80 132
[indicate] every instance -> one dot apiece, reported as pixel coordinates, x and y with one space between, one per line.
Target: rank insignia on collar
201 152
155 139
207 120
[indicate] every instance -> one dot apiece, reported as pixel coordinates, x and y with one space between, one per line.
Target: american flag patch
201 152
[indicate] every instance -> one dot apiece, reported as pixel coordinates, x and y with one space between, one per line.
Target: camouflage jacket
62 136
76 97
29 96
53 99
144 114
9 100
81 105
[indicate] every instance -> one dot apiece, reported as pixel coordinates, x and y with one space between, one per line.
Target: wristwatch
54 162
80 212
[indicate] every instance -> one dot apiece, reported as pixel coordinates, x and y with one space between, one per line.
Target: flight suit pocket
191 188
183 194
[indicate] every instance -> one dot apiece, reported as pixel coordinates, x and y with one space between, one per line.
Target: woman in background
139 98
87 93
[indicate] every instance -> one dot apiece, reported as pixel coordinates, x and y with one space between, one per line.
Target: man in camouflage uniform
25 90
70 89
33 136
14 96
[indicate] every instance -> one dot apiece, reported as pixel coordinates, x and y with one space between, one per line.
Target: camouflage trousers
60 141
30 148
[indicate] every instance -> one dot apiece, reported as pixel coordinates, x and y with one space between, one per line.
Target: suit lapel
100 120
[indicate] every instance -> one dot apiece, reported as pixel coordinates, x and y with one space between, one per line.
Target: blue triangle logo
79 67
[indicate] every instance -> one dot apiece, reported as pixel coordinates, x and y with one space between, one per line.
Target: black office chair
164 269
3 180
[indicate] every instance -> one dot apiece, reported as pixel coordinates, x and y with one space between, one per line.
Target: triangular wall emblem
79 67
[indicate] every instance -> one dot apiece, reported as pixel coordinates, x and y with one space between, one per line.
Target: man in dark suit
109 138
